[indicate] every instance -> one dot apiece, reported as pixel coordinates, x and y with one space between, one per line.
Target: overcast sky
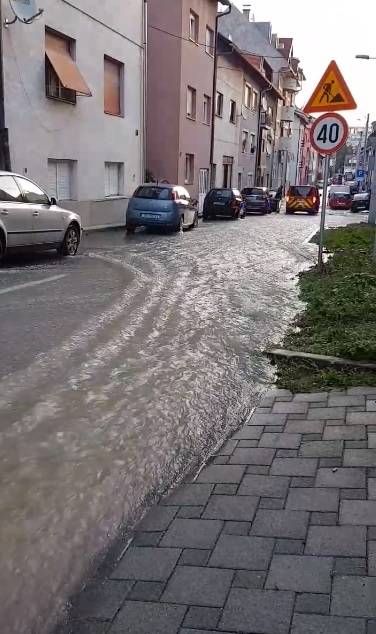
324 30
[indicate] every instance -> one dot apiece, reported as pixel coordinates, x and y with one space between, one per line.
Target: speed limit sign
329 133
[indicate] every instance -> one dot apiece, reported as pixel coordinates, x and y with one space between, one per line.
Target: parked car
161 205
339 199
31 220
354 187
224 202
360 202
320 184
256 200
303 198
274 203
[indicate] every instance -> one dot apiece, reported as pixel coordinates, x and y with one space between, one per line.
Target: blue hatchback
161 205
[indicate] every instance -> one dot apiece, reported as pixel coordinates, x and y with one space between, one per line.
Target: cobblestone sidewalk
276 535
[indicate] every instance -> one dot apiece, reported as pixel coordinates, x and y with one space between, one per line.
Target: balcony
288 113
291 84
266 120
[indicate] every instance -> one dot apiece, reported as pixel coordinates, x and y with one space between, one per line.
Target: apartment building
181 47
73 100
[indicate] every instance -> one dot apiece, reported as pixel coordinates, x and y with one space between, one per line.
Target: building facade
181 46
74 103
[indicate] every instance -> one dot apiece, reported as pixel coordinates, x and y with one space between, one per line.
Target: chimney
247 11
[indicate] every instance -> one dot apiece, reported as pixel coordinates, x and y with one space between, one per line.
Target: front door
203 188
48 222
15 215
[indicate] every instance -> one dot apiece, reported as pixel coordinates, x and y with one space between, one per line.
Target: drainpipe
4 139
215 73
144 88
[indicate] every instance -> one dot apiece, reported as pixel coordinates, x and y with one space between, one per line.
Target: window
219 105
245 136
232 111
60 179
253 142
240 177
193 26
213 177
32 193
191 103
254 99
207 110
189 169
209 41
228 163
112 178
248 96
9 190
154 192
113 81
263 145
63 78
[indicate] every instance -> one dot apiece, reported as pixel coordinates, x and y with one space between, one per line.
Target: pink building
180 86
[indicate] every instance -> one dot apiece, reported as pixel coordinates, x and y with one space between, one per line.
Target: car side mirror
53 201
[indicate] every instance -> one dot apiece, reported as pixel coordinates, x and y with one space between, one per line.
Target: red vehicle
340 200
303 198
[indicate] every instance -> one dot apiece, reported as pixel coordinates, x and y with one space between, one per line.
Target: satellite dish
25 10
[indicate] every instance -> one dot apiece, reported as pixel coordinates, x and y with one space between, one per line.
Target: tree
341 155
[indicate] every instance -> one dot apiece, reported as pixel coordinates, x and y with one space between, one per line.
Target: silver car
31 220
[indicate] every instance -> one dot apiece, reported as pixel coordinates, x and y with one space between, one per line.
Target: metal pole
323 212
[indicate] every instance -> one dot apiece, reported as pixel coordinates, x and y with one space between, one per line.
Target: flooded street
148 351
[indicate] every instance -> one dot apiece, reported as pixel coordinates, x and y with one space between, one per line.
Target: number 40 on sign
329 133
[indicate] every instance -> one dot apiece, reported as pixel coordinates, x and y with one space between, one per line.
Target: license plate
219 204
151 216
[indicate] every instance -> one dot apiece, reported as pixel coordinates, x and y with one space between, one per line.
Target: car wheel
71 241
289 212
195 222
180 225
2 249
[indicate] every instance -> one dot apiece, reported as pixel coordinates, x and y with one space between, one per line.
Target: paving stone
286 453
272 503
194 557
247 443
372 558
353 494
216 474
309 437
326 413
342 478
249 579
344 432
189 495
361 418
198 586
227 448
354 596
185 630
312 603
317 624
372 488
362 390
284 399
258 470
339 541
318 404
206 618
236 528
371 627
330 463
288 524
258 611
359 458
371 440
302 481
311 397
267 401
300 573
294 407
371 405
280 441
371 532
268 419
335 422
276 392
242 553
137 617
323 519
147 539
321 449
190 512
157 519
354 408
371 472
192 533
275 429
248 432
231 507
358 512
264 410
356 444
289 547
350 566
264 486
307 499
294 467
294 416
147 591
101 600
135 564
304 427
371 429
346 400
219 460
253 456
225 489
83 627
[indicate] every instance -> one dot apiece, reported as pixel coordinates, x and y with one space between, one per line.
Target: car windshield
220 193
303 191
154 192
254 191
341 195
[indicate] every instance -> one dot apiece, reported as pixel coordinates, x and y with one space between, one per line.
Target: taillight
287 199
174 195
314 199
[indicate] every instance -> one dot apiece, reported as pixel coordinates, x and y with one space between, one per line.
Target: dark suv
223 202
256 200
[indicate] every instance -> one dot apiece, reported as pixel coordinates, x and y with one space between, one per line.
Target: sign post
323 213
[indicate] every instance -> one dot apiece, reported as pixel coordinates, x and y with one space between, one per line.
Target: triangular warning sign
332 93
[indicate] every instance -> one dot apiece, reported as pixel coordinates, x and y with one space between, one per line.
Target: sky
324 30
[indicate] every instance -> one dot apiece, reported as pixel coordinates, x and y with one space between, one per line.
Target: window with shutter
112 179
113 80
60 179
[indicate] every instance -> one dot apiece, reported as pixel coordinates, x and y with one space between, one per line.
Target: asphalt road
119 368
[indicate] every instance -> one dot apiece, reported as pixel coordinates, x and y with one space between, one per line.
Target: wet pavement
147 352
